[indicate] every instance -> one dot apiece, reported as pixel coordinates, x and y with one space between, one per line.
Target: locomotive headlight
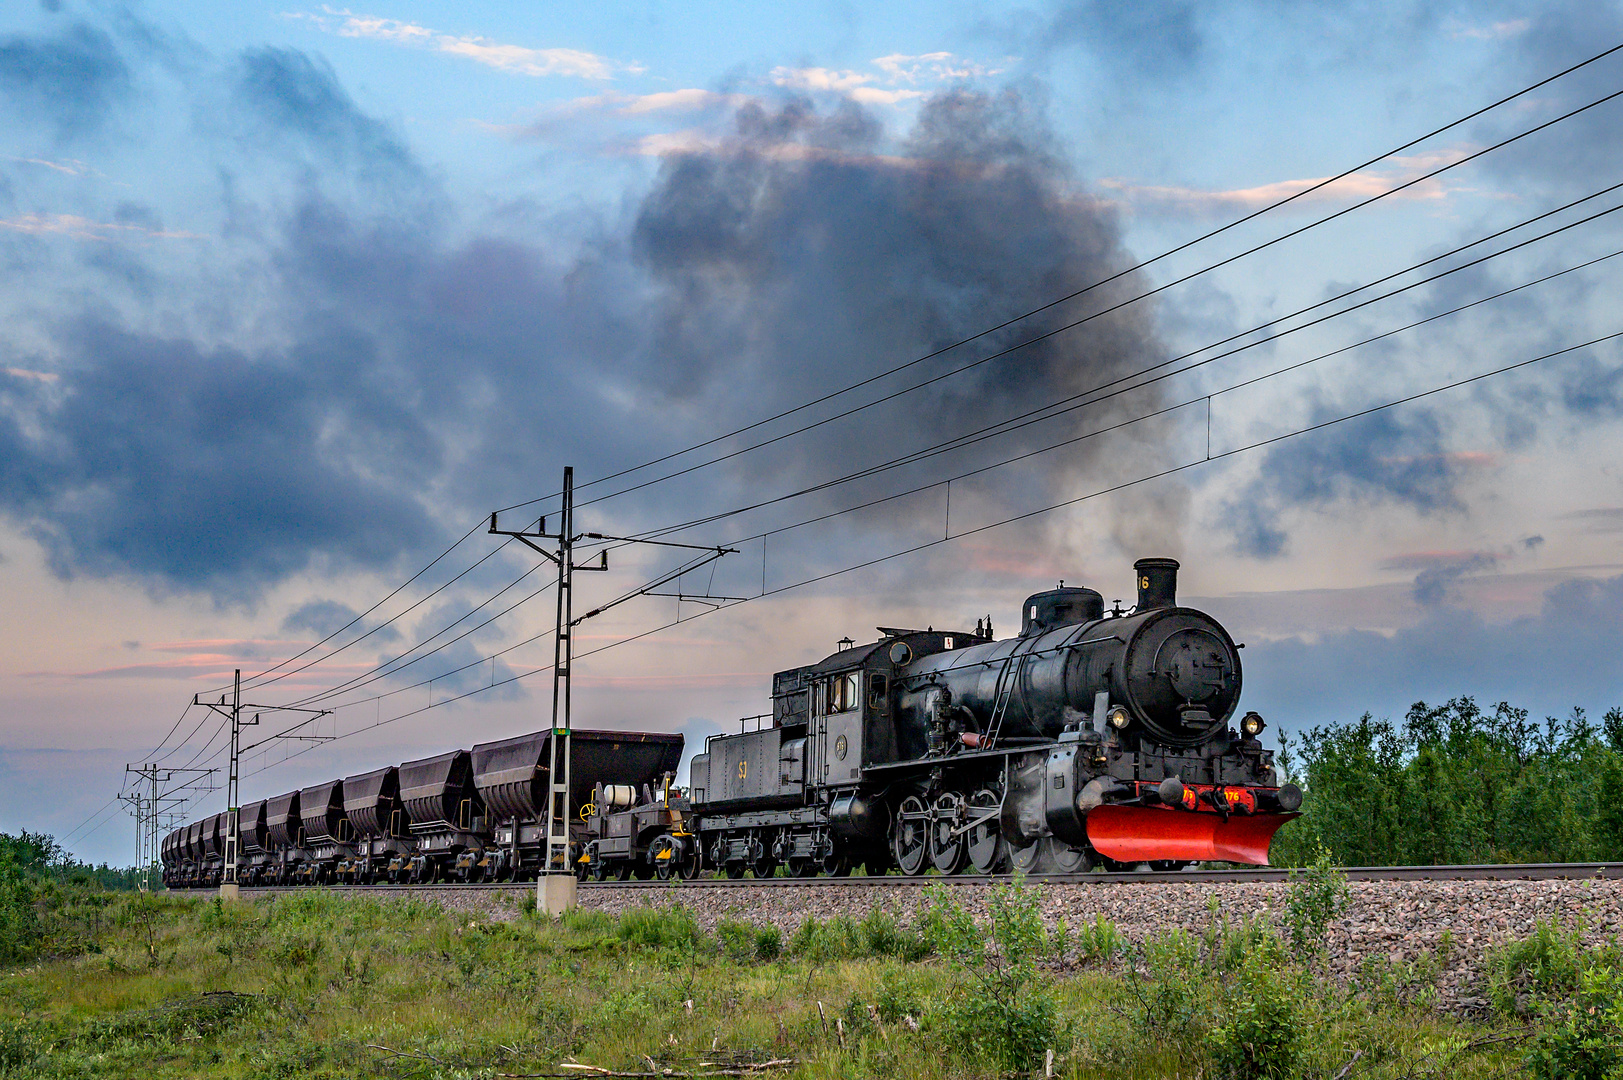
1252 725
1118 717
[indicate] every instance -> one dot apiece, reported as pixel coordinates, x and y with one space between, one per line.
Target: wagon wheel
838 865
949 842
598 869
909 836
764 867
735 870
988 851
1167 865
1065 859
666 855
622 870
802 867
1028 859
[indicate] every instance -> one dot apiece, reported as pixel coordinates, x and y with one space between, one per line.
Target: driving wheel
909 836
949 840
988 851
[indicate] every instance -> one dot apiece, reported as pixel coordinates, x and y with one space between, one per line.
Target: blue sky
298 294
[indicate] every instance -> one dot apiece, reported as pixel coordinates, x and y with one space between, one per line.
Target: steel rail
1259 875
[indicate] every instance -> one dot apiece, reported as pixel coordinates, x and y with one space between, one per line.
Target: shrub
1546 964
585 920
896 998
768 942
1315 900
1011 1033
1005 1016
1165 987
1582 1039
1257 1037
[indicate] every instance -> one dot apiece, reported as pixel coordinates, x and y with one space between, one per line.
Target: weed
672 927
1547 964
1099 942
1315 899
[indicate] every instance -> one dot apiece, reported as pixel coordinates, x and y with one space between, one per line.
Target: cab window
838 694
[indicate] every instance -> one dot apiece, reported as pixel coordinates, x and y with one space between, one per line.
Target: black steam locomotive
1093 737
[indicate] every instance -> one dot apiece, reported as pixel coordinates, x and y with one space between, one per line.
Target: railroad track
1490 872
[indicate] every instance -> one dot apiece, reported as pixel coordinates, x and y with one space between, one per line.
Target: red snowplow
1205 825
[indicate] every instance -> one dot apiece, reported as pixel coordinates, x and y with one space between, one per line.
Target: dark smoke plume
807 251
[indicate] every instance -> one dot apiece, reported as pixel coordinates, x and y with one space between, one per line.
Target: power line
1056 331
1072 441
1097 284
1023 516
1140 265
1070 403
1046 412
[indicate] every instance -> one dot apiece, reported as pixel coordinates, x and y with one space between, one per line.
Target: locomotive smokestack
1157 583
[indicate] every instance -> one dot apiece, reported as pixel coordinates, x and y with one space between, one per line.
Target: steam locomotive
1093 737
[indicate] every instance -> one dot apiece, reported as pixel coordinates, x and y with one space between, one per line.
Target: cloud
1600 519
72 81
1354 188
1163 39
897 68
289 97
200 468
67 166
1584 152
1439 569
364 374
539 63
1550 661
325 618
1384 458
84 229
931 67
1497 31
896 250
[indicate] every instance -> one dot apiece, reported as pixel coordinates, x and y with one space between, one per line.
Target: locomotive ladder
1007 678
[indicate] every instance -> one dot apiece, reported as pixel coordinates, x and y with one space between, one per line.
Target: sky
917 308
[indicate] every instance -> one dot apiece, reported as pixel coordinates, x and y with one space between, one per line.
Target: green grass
322 984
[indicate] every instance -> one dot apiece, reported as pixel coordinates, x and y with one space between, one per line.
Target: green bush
768 942
897 998
1582 1038
1004 1016
737 939
1546 964
1314 900
840 938
983 1026
1257 1036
